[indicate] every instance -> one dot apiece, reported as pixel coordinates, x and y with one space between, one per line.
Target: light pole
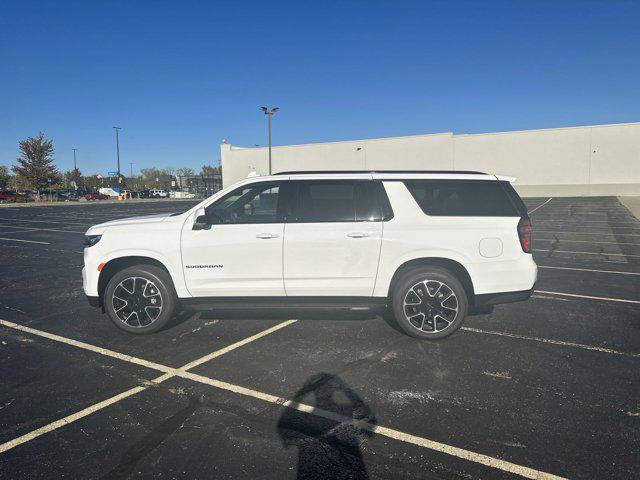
118 150
269 112
75 167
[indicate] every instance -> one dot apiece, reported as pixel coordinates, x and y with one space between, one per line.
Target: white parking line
181 372
23 241
553 342
589 270
612 229
10 220
461 453
19 231
589 297
541 205
587 253
589 233
36 229
571 221
169 373
583 241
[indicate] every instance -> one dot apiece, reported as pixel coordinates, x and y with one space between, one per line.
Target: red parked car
96 196
9 196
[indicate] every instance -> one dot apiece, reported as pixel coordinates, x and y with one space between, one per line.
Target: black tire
142 314
428 285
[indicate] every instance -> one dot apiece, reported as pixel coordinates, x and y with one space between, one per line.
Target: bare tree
208 170
185 172
35 163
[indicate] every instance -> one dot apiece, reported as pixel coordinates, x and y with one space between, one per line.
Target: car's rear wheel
429 302
140 299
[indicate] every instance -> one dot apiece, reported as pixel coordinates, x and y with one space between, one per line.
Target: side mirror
201 222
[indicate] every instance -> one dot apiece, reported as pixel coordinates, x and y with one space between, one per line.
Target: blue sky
180 76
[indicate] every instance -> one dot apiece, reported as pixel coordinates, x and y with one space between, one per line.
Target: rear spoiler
506 178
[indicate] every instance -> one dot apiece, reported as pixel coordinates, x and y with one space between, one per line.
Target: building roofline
450 134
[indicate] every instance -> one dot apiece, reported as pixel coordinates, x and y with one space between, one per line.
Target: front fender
174 269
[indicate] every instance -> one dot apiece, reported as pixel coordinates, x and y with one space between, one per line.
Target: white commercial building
591 160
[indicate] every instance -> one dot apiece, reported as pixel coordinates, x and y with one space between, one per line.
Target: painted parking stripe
553 342
589 297
21 231
169 373
588 270
43 221
586 253
613 230
461 453
574 221
571 222
582 241
23 241
540 206
37 229
611 234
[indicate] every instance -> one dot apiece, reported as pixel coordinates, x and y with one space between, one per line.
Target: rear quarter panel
412 234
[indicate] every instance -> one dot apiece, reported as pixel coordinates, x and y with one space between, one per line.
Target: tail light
525 230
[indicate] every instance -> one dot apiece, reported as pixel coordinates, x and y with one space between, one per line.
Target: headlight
91 240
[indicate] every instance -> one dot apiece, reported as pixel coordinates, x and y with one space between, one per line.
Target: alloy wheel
430 306
137 302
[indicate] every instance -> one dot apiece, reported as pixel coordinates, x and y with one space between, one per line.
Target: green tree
35 163
74 177
94 182
4 177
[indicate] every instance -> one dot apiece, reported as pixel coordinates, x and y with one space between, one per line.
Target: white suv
433 246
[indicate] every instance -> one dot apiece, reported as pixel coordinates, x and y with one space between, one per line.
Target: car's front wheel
429 302
140 299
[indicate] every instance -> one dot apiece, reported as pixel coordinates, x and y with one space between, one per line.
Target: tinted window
462 198
515 198
255 203
337 201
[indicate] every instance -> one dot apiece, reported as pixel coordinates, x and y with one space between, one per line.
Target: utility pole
118 150
75 166
131 165
269 112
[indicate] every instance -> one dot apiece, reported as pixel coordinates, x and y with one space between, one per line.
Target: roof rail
315 172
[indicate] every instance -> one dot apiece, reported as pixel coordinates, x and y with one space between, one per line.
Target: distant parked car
8 196
96 196
67 195
155 193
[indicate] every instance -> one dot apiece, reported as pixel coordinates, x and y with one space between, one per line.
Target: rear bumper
489 299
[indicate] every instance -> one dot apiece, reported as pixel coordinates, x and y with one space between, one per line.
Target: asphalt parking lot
544 388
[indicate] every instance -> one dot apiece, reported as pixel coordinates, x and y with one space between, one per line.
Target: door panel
240 254
332 238
331 259
233 260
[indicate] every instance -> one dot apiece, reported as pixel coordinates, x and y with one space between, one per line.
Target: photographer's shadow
327 449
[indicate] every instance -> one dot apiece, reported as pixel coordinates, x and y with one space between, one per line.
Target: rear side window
317 201
462 198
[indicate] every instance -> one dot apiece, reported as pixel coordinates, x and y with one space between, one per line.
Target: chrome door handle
357 234
267 235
